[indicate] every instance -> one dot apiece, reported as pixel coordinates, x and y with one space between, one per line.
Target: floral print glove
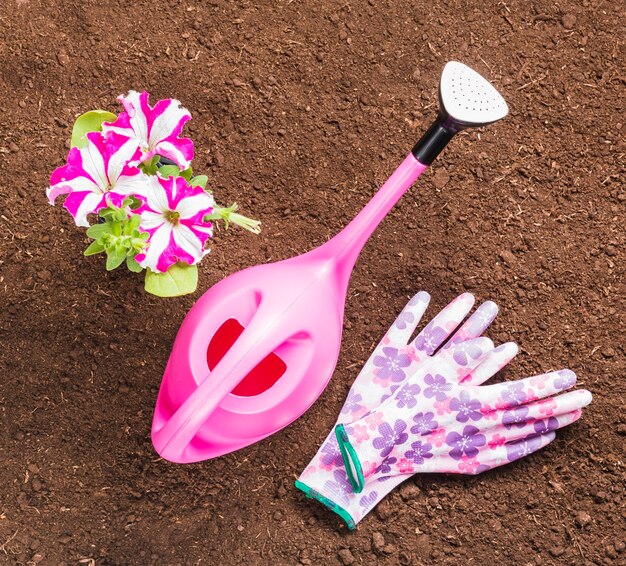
392 362
442 420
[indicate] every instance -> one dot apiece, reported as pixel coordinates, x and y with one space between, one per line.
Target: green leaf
199 181
133 222
115 257
134 203
179 279
187 174
94 248
133 265
167 171
150 167
89 122
98 230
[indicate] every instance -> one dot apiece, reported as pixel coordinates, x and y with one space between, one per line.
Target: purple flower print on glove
437 386
466 351
541 427
517 450
424 423
466 443
340 488
385 466
391 364
352 403
331 455
430 338
419 451
515 417
406 396
405 318
369 500
390 393
389 437
466 407
514 394
566 379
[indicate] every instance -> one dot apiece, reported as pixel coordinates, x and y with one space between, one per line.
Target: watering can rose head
134 171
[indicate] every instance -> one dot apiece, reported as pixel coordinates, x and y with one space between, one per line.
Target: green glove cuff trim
313 494
350 460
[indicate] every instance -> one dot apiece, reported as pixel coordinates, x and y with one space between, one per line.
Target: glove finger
463 358
491 364
407 321
510 432
511 451
476 324
537 410
513 393
439 329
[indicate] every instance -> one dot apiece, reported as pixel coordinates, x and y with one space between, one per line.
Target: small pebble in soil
440 178
608 352
582 519
409 491
557 551
621 429
62 57
568 21
378 542
346 556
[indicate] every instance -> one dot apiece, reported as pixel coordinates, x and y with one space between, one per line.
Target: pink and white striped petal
173 215
156 129
98 174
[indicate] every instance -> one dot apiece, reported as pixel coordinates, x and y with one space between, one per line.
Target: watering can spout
345 247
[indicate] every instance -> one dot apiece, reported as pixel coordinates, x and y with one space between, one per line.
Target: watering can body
294 327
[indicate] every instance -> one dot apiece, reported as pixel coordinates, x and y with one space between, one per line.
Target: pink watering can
260 346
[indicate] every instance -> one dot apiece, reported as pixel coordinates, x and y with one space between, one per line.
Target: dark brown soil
300 110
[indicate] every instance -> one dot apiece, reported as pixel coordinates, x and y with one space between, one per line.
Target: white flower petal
166 123
93 164
156 196
138 119
133 185
151 220
158 242
172 152
190 206
120 158
186 239
76 184
86 207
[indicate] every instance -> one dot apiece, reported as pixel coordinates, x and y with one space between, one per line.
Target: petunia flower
173 214
97 174
156 128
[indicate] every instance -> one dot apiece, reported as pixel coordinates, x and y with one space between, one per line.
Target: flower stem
227 215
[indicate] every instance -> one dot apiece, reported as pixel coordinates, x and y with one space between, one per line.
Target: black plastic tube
432 143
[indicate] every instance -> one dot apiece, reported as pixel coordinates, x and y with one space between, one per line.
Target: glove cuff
313 493
351 461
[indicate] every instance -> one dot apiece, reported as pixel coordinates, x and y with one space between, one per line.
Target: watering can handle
172 439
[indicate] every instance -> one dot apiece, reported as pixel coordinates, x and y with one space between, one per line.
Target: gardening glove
393 360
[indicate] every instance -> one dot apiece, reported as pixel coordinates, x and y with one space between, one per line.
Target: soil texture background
300 110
